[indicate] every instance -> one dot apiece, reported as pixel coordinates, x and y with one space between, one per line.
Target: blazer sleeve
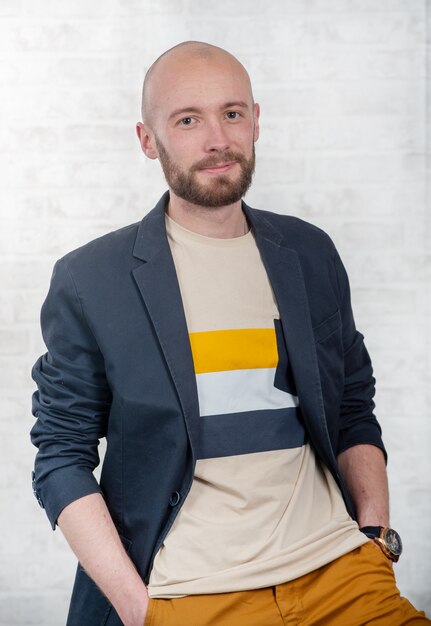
358 424
72 401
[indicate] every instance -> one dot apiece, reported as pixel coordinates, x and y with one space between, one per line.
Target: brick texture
344 87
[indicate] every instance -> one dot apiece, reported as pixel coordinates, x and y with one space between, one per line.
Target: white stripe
234 391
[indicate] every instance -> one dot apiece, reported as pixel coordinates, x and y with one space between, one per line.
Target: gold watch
387 539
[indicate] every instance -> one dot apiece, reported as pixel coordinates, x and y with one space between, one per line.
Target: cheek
244 136
183 149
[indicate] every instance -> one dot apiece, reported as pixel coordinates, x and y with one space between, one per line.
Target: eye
186 121
232 115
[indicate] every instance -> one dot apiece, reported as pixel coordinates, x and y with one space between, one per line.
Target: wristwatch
388 540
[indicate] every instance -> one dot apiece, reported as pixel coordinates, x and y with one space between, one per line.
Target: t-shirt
261 510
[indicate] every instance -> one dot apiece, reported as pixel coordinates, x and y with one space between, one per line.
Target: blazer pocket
328 327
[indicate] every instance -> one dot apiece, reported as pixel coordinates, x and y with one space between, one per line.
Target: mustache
214 160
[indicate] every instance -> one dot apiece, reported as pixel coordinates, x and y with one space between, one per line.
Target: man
214 346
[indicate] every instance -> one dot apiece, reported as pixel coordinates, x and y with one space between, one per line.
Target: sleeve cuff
61 487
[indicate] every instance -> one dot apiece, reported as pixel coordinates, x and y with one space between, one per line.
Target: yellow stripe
222 350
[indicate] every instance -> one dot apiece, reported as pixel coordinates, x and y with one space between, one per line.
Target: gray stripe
252 431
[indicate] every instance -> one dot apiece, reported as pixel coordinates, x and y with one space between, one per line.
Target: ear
147 141
256 113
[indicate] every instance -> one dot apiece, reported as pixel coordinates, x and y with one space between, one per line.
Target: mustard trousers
354 590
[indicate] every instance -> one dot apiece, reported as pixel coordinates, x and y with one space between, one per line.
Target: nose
216 139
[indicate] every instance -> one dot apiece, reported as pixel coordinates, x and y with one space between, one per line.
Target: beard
218 191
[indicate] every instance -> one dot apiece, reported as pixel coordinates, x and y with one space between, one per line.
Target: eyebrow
228 105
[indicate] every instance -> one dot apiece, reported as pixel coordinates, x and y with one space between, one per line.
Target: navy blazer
119 365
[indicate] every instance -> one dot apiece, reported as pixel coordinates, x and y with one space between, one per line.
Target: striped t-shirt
261 510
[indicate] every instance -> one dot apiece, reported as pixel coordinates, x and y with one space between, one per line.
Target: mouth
220 168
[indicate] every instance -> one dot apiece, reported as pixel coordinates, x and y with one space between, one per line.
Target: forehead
198 83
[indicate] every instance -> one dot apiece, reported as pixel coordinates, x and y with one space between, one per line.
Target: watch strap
371 531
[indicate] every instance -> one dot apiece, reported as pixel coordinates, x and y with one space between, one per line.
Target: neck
224 222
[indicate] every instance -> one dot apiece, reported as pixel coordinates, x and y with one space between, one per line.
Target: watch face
392 541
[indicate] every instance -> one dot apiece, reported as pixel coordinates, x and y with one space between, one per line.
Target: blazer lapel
158 285
283 267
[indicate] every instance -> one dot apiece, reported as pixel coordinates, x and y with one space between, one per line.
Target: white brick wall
345 133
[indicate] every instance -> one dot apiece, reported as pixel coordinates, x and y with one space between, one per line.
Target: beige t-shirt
261 509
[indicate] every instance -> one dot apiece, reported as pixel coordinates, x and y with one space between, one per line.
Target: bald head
176 62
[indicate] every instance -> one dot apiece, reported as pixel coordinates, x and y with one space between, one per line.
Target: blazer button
174 499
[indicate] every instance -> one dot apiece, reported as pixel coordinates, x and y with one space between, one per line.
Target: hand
146 612
136 613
